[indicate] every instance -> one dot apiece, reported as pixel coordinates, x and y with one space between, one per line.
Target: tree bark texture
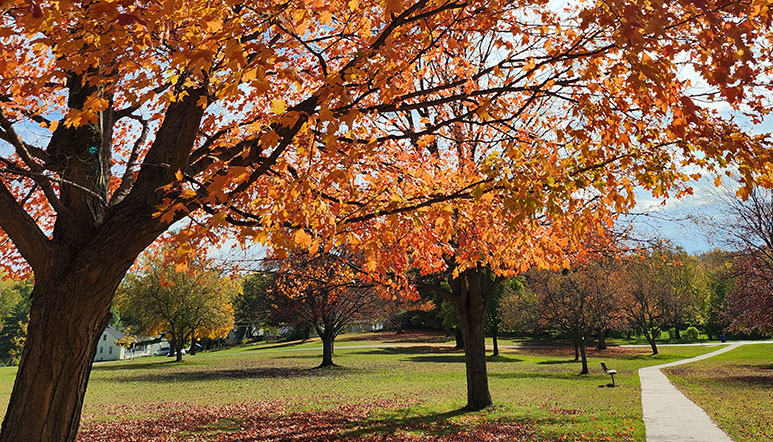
602 334
576 349
327 349
470 294
178 350
67 317
459 339
78 269
192 349
650 337
583 355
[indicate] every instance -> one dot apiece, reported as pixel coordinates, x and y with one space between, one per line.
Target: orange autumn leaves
497 132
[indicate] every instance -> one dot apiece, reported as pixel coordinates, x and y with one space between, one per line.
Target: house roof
114 332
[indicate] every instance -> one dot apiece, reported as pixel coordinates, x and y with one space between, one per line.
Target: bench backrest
604 366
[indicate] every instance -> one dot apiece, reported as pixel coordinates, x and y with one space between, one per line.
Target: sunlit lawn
735 388
404 393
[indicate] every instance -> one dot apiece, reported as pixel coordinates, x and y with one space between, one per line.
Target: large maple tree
119 118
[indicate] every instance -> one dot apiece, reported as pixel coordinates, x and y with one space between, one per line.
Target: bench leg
613 380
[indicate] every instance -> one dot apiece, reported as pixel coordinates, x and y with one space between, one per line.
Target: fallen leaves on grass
590 351
271 422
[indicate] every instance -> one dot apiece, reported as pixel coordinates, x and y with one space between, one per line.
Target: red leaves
127 19
270 422
35 10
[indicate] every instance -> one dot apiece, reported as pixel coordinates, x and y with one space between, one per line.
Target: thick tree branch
23 230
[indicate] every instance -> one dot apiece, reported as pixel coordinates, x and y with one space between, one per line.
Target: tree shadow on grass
412 350
280 345
538 375
428 353
556 362
317 355
502 358
438 358
134 365
236 373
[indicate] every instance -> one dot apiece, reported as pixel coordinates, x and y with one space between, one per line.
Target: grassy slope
538 388
735 389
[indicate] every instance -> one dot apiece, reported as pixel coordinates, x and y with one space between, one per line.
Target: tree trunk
178 350
478 396
496 344
327 349
583 355
576 349
470 297
650 337
602 339
459 339
192 349
676 333
67 317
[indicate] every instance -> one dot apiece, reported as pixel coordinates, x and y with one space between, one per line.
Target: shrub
690 334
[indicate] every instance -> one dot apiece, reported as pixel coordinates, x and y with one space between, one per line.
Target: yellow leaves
213 25
96 104
529 65
203 102
278 106
76 118
249 75
219 219
52 125
302 238
301 22
353 4
188 193
743 192
325 18
759 8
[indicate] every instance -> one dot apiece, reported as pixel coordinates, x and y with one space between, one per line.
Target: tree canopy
189 304
320 123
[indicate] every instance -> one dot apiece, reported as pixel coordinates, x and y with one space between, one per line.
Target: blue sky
687 221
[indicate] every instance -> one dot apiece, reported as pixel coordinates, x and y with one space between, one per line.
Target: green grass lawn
411 391
735 389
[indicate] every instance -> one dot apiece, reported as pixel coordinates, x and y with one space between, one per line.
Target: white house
107 349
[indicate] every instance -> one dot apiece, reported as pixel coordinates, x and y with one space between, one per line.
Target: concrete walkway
668 415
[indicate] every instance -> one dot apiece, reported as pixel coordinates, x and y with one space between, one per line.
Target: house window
104 337
100 349
110 350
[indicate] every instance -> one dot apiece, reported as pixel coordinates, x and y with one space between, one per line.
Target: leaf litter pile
271 421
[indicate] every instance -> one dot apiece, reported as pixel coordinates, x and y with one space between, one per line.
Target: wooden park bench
609 372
